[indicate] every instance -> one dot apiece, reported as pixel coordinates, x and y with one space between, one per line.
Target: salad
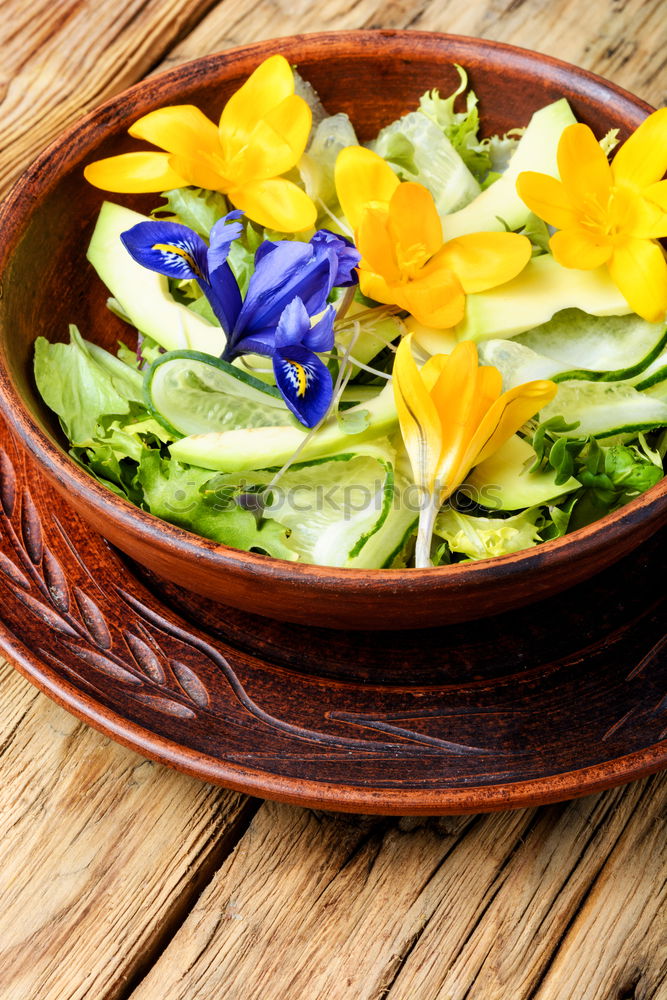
428 348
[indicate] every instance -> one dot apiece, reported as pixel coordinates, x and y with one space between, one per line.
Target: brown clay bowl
46 284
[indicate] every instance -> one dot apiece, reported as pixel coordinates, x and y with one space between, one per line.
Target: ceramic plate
557 700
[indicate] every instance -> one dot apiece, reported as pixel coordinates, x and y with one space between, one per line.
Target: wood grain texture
61 59
321 907
624 40
75 798
101 852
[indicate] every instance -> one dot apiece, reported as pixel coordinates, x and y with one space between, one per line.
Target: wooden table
123 879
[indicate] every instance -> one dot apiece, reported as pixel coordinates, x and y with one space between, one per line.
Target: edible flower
262 133
610 214
285 314
452 416
404 261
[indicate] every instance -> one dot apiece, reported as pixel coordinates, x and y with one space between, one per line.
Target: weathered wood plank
102 852
107 851
61 59
624 918
624 41
542 889
441 911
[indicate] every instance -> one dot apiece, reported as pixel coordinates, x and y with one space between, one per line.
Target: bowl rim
53 163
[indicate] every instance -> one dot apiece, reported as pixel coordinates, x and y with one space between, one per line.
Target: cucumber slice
143 295
499 205
193 393
340 511
656 372
543 288
605 408
605 348
504 481
657 390
517 364
264 447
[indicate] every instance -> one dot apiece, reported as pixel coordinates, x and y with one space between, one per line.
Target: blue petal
345 254
293 325
253 343
223 292
222 235
304 381
283 271
168 248
321 336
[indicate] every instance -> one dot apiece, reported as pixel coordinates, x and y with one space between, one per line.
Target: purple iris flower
289 287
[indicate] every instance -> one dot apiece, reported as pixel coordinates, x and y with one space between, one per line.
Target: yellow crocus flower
263 131
610 214
453 416
404 261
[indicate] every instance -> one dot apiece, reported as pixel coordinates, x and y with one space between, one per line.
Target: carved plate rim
333 797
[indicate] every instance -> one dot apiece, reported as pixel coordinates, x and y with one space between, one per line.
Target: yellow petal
134 173
276 204
417 417
488 389
374 286
639 270
547 198
414 223
362 178
657 193
201 171
635 213
282 135
579 248
454 397
375 244
435 299
431 370
642 159
275 144
506 416
182 129
271 83
584 168
484 260
485 388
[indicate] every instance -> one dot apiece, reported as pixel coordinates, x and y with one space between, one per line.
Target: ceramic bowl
46 284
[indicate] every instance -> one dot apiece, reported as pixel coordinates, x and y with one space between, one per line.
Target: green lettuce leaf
419 150
193 207
485 158
178 493
81 386
483 537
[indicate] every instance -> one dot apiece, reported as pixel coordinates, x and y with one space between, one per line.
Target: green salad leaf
483 537
80 387
193 207
185 496
462 127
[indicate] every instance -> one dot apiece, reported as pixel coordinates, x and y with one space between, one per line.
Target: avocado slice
499 206
504 481
543 288
269 447
144 295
